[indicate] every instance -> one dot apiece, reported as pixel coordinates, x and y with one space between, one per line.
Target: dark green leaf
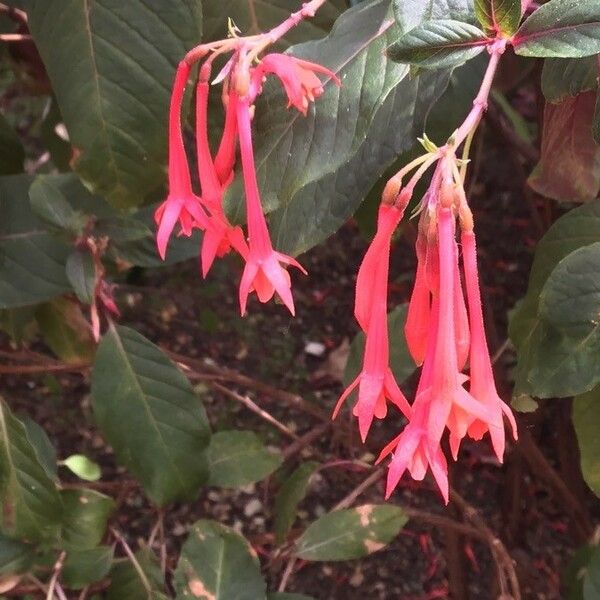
401 362
586 416
15 557
563 77
560 28
31 505
256 16
42 445
83 467
352 533
574 574
81 273
49 204
12 153
150 415
410 13
591 581
499 16
65 330
122 230
111 65
60 149
84 567
292 492
126 582
439 44
218 564
86 515
237 458
19 323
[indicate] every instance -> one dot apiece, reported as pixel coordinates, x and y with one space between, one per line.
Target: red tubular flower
181 204
225 158
263 272
376 381
219 236
482 385
297 76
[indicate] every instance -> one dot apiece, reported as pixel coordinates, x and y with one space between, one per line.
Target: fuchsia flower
263 272
482 385
219 235
181 204
376 381
297 76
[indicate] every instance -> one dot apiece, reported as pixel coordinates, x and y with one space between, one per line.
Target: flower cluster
443 332
264 271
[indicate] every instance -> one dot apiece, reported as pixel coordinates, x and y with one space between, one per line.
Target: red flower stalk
482 385
263 272
219 236
376 381
297 76
181 204
225 158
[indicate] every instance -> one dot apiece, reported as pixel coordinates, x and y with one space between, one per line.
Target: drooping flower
482 386
263 272
375 382
297 76
225 158
219 235
181 204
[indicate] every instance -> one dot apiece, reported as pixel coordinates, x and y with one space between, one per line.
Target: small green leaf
150 415
85 519
524 403
564 77
560 28
439 44
85 567
499 16
81 273
352 533
49 204
586 417
237 458
16 557
292 492
83 467
31 505
217 563
401 362
42 445
126 581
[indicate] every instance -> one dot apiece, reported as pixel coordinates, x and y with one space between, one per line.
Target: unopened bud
447 194
391 190
465 217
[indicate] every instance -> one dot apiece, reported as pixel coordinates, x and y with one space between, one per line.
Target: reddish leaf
569 167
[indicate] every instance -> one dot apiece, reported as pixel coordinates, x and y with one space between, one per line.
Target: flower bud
447 193
391 190
241 80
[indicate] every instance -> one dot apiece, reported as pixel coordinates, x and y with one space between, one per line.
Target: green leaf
352 533
60 149
257 16
111 65
85 519
218 564
401 362
499 16
126 581
31 260
292 492
349 137
12 154
49 204
591 580
237 458
409 14
439 44
16 557
560 28
85 567
569 166
563 77
150 415
81 273
65 330
83 467
578 228
42 445
122 229
586 416
31 505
